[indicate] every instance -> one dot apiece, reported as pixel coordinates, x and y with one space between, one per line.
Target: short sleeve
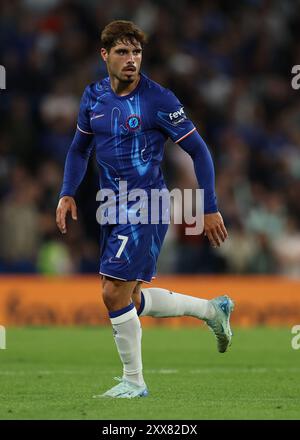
171 117
83 120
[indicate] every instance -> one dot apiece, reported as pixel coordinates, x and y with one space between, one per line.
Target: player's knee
112 293
109 293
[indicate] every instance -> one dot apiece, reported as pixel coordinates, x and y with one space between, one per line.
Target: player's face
123 61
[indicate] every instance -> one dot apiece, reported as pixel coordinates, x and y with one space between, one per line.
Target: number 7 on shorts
123 244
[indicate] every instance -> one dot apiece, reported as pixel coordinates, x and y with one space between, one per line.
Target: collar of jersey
138 87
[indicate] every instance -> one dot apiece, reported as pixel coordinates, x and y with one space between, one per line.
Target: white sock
164 303
127 332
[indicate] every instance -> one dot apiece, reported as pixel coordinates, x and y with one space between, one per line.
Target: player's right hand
65 204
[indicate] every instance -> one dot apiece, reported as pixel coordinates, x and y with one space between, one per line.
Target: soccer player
129 117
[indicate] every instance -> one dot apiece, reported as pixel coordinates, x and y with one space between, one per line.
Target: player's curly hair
122 30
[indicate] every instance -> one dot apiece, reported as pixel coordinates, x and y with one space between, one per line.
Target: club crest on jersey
133 122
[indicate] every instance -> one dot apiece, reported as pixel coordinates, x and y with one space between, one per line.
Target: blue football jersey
130 131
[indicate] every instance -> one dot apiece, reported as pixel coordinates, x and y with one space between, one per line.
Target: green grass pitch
52 373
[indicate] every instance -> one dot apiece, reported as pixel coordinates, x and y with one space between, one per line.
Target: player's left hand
214 229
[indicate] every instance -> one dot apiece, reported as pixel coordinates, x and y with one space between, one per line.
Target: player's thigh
131 251
114 253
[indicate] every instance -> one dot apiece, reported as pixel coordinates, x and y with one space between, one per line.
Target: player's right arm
75 166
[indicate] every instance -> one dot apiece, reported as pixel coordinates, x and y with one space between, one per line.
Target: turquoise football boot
125 390
220 325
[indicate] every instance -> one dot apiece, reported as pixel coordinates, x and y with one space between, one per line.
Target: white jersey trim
82 131
186 135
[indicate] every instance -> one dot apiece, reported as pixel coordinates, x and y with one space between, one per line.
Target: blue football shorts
130 252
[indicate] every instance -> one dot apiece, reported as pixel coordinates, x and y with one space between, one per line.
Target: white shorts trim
112 276
148 282
123 279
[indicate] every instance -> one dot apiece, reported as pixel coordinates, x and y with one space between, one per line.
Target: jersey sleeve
83 120
171 117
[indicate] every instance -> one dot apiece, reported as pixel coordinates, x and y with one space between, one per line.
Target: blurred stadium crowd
230 65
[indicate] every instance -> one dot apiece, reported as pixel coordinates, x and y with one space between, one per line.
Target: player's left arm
214 226
172 120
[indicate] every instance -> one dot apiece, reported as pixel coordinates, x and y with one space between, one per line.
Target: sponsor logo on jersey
177 117
133 122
